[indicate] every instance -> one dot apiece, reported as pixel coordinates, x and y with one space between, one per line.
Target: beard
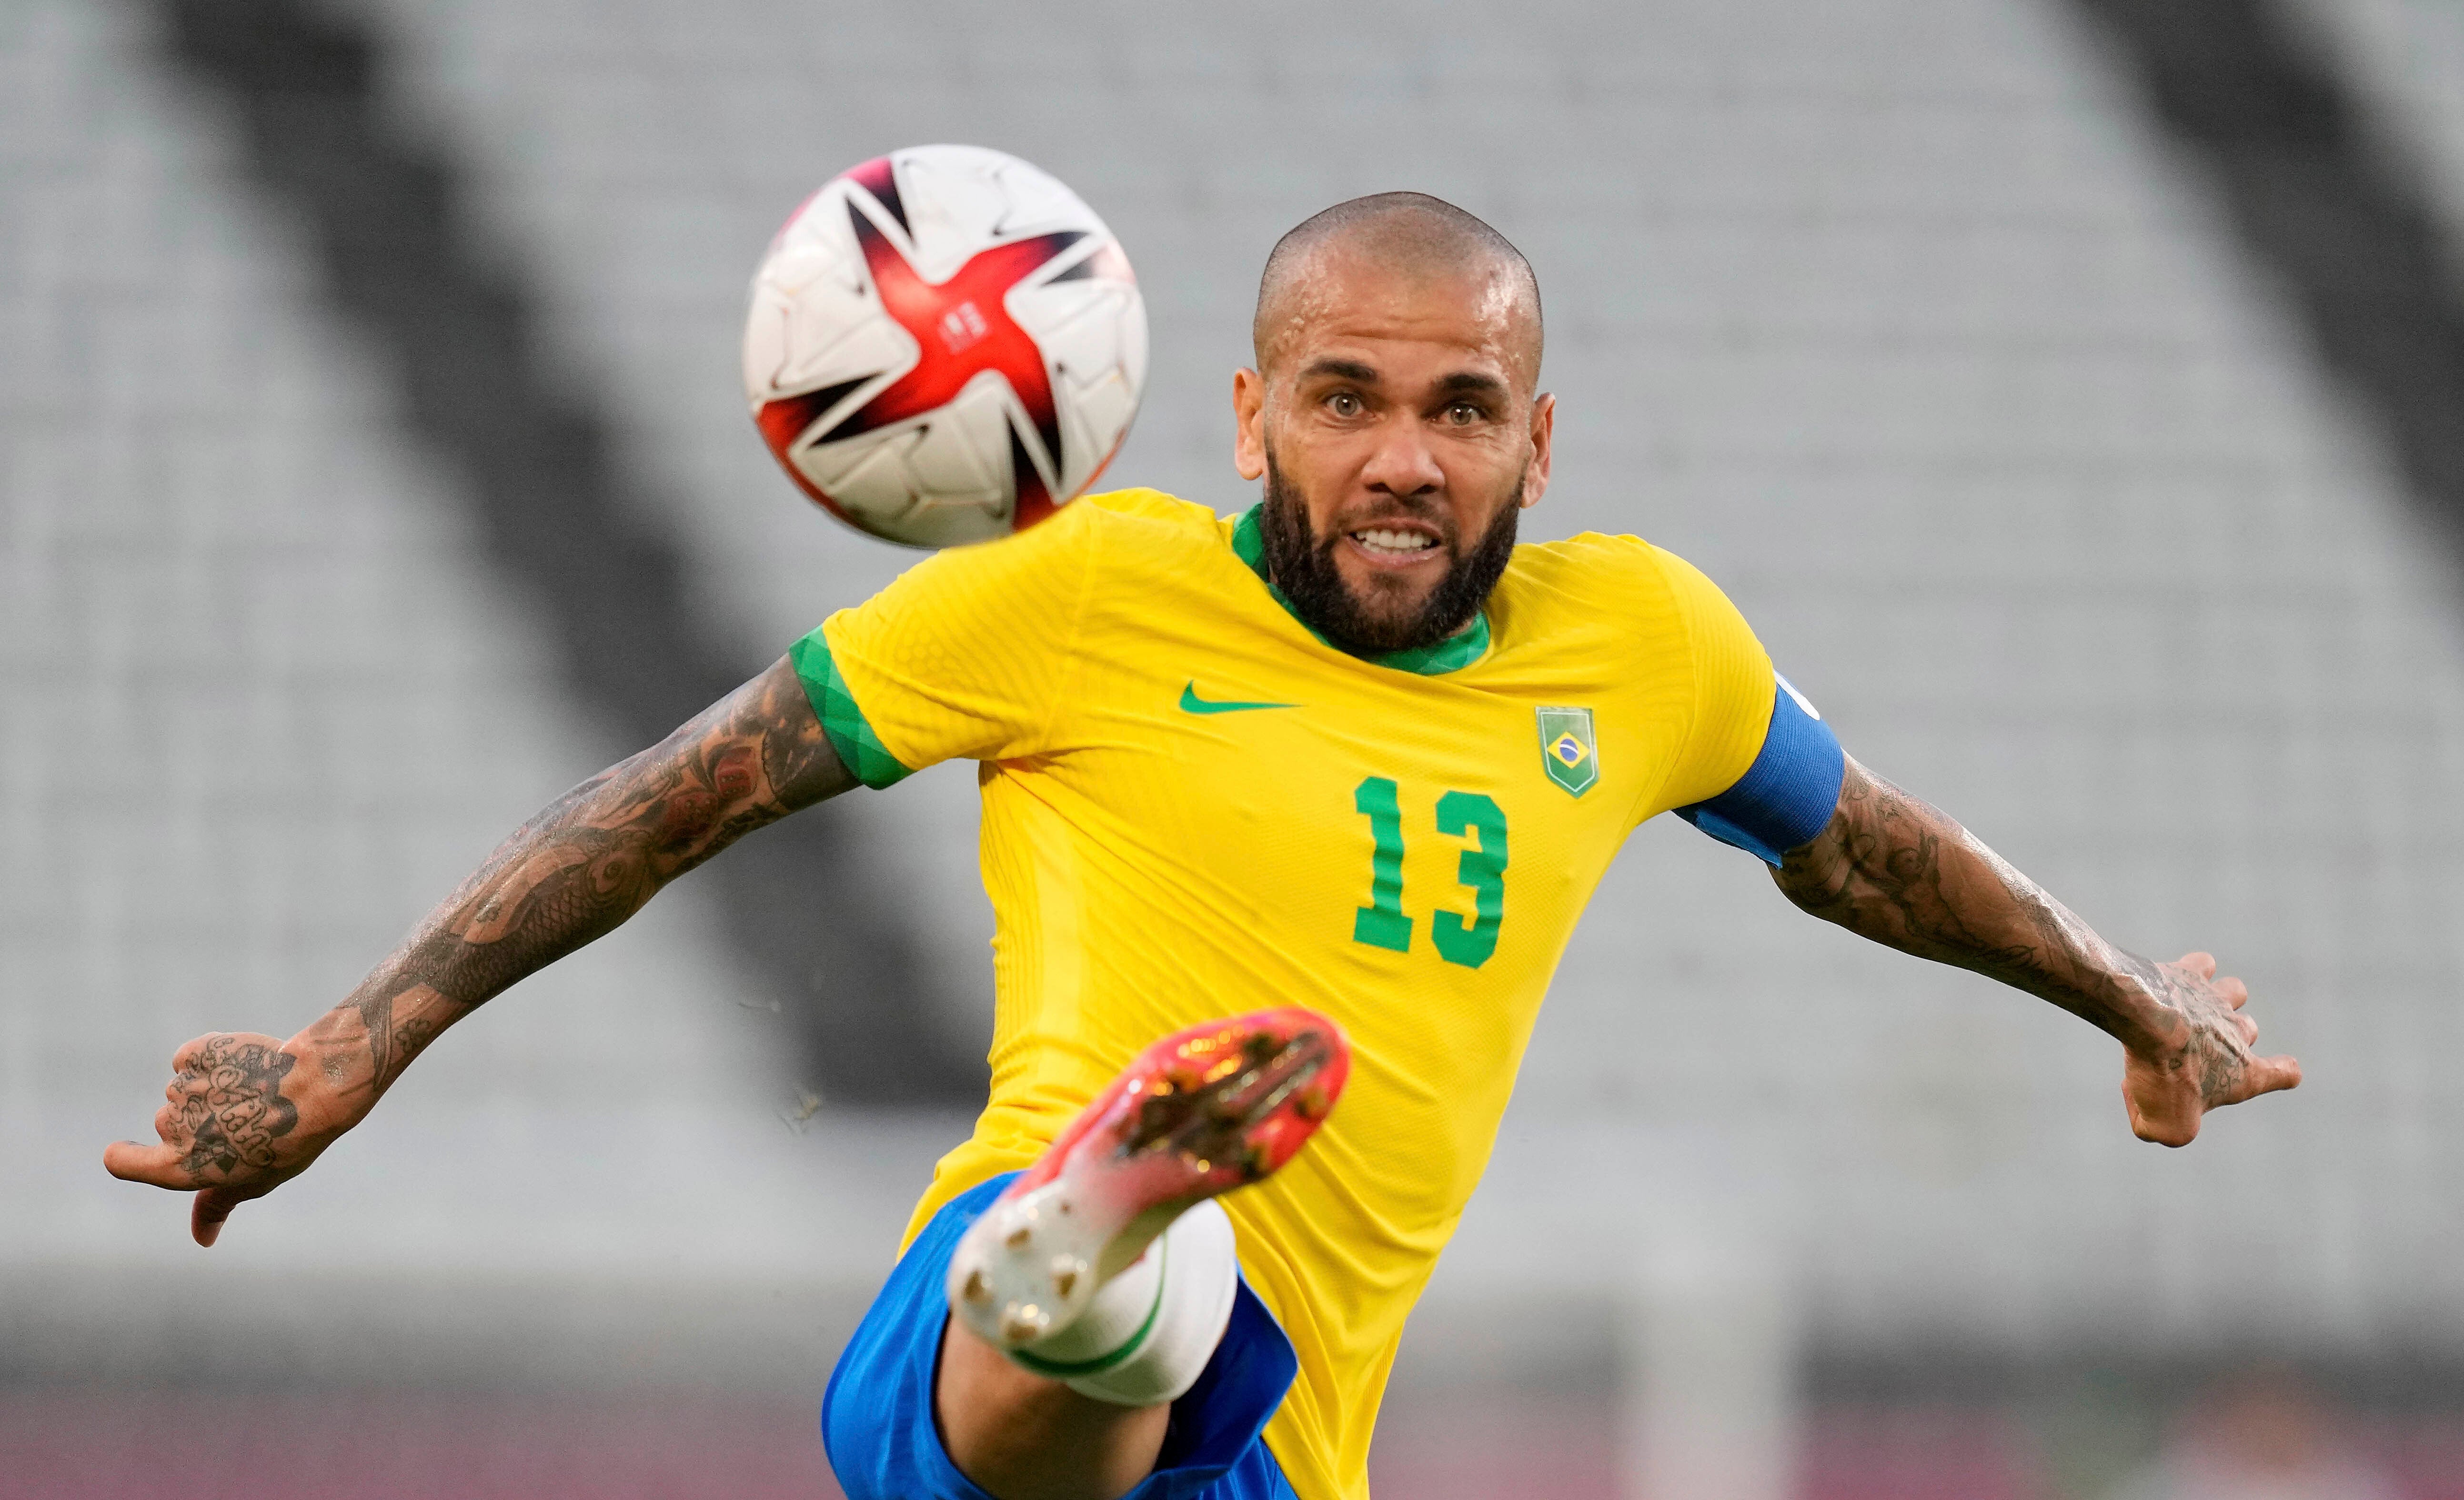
1302 566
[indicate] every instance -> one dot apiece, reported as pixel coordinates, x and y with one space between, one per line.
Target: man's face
1399 433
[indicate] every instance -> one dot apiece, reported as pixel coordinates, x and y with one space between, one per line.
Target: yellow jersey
1194 806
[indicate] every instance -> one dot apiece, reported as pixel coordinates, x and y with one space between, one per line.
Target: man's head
1395 415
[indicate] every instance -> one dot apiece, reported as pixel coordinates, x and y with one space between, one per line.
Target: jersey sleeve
1761 769
964 655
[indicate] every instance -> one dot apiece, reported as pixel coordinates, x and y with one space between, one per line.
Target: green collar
1451 654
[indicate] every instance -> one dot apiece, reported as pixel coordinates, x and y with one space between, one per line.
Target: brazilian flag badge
1567 748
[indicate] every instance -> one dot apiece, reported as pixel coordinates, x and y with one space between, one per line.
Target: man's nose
1402 464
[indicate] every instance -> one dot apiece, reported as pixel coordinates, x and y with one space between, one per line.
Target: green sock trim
1073 1369
859 749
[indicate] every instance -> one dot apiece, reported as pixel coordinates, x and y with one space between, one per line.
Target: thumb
2267 1074
213 1205
135 1161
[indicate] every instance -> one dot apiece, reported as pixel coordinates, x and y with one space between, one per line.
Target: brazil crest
1567 748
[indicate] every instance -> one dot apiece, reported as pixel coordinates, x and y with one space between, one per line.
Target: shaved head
1395 418
1409 235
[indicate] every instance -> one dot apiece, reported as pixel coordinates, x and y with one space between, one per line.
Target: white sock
1147 1337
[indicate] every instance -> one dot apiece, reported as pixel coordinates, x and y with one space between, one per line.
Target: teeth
1383 540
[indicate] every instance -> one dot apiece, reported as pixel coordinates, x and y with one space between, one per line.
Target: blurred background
2071 392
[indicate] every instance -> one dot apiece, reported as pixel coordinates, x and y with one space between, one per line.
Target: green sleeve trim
859 749
1455 652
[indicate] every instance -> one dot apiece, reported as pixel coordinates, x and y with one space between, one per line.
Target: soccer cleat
1200 1113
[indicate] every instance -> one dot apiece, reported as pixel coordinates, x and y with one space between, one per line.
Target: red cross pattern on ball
962 328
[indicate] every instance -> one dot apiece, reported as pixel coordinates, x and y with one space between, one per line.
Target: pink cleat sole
1200 1113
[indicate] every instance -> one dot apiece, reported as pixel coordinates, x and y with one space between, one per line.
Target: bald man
1287 819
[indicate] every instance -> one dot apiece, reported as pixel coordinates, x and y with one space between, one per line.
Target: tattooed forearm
1895 869
1891 869
581 867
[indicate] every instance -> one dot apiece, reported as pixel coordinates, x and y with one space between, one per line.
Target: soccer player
1346 769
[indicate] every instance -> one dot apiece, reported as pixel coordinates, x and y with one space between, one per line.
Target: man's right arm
247 1112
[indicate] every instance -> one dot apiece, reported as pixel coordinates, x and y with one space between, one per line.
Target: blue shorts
877 1417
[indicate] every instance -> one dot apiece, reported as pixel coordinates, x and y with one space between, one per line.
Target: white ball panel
825 353
766 341
817 249
1038 204
1076 324
867 476
937 523
1133 349
964 457
955 206
1096 414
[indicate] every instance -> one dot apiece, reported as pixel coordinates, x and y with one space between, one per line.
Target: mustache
1401 507
1301 561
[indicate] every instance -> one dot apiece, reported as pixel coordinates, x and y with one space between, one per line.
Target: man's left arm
1890 868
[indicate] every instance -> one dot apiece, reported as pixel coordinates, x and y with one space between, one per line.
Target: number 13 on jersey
1382 922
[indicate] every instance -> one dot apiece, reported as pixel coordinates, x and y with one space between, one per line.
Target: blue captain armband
1787 795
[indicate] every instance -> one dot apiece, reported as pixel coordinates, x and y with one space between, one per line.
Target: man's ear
1249 424
1544 430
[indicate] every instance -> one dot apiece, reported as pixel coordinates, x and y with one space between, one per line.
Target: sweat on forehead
1413 232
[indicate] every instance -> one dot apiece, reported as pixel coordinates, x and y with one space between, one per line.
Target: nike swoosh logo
1191 703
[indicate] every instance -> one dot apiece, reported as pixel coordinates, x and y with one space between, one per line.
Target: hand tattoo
2204 1038
232 1106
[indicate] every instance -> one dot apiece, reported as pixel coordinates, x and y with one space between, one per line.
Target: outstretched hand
2199 1058
230 1131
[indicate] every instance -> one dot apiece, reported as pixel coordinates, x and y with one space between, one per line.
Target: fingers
212 1207
134 1162
2227 989
2236 994
192 1059
2232 991
2269 1075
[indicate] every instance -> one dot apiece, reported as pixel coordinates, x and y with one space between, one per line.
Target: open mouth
1393 543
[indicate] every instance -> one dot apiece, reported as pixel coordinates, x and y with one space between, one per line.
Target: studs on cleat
1200 1113
1023 1325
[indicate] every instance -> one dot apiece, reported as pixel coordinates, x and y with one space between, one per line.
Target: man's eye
1344 404
1463 413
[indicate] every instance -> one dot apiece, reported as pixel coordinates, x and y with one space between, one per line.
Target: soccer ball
945 344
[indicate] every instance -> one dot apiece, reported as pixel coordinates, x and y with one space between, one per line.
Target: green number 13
1382 924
